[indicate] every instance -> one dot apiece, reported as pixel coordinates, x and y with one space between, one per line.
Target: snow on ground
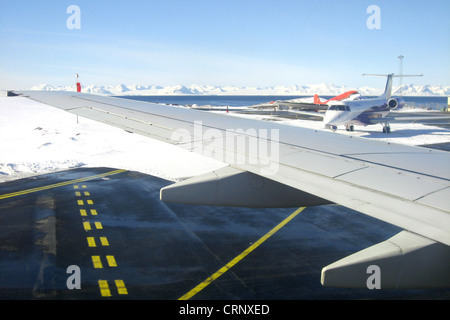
36 139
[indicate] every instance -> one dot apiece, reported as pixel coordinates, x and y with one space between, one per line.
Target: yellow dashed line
91 241
104 241
87 225
111 261
106 292
104 288
84 186
97 262
80 202
121 289
78 193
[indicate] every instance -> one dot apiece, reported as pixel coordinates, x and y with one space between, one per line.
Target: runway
128 245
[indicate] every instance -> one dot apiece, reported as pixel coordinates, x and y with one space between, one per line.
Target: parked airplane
350 109
365 111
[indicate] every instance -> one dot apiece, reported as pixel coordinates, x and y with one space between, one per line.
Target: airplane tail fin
388 90
317 99
343 96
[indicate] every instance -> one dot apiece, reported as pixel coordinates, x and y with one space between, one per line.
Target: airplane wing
309 113
303 105
424 119
276 165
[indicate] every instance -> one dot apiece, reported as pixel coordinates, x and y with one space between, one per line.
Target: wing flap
389 180
438 199
230 186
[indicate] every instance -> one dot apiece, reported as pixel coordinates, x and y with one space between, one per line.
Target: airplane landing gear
349 128
386 128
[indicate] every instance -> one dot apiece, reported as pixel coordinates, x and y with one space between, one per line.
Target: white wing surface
275 165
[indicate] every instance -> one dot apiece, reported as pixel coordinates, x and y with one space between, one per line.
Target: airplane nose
330 117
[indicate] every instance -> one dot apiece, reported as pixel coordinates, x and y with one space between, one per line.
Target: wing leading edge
402 185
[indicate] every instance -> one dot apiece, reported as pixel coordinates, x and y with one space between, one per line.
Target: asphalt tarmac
103 234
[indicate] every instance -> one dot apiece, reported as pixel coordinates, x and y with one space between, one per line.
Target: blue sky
240 43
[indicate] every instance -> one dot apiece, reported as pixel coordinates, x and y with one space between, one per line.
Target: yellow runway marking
98 225
80 202
104 288
93 212
104 241
57 185
111 261
86 193
78 193
121 289
91 241
241 256
83 212
90 202
87 226
97 262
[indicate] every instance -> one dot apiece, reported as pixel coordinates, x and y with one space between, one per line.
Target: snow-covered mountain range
321 89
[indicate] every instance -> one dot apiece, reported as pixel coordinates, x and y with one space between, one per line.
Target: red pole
78 84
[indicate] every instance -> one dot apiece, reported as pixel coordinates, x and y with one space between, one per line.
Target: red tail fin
344 95
316 99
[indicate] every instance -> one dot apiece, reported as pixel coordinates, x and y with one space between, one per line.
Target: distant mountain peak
300 90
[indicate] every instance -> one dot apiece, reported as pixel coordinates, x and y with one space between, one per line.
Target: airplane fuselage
358 112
